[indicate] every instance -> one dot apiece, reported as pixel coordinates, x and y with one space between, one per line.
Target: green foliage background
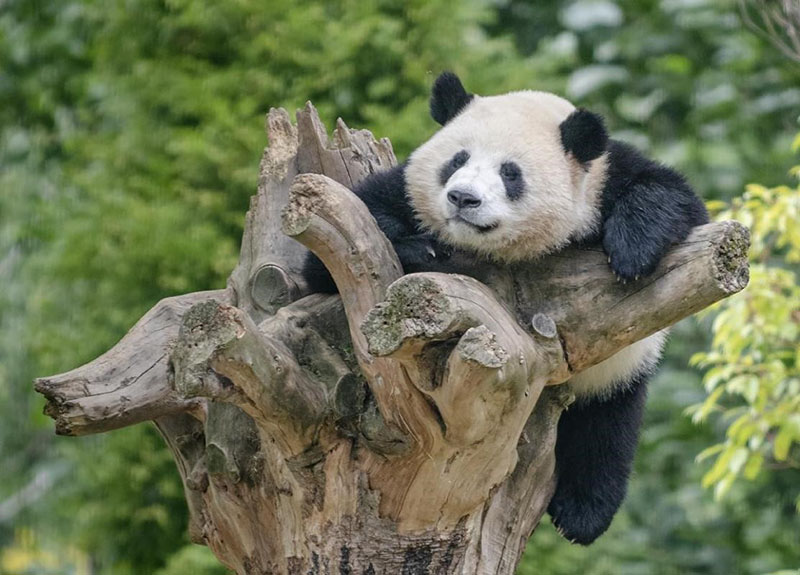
130 135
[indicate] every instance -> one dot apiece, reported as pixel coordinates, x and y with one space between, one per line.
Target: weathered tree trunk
406 427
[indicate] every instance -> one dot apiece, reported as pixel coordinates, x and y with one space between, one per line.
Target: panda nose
463 199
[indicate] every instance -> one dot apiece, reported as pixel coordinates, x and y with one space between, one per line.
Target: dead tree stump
406 427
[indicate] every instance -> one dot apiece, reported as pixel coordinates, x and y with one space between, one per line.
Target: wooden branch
331 221
337 226
348 158
493 369
130 382
710 265
466 357
185 437
600 316
518 505
334 224
268 274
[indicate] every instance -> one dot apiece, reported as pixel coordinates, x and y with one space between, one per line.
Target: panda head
512 176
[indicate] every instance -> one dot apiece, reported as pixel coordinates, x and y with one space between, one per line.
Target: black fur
646 208
448 97
594 455
584 135
384 193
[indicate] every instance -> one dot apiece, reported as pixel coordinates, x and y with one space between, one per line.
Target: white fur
639 357
561 201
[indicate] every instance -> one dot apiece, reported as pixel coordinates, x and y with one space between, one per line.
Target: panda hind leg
595 448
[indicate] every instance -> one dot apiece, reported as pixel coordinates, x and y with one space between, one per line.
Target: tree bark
407 426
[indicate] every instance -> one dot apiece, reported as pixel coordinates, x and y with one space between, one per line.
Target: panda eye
510 171
459 159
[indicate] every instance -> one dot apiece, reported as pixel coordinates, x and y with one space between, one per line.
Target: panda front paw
629 269
630 260
579 521
420 253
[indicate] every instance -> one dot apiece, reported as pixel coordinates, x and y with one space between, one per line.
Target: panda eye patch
510 171
512 179
460 159
452 166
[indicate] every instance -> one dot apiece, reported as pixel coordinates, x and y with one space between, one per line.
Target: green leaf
738 459
723 486
782 443
753 466
719 469
708 452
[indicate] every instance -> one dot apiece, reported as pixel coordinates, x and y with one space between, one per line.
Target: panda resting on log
516 176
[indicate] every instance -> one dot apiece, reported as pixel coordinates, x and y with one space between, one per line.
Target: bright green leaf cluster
753 377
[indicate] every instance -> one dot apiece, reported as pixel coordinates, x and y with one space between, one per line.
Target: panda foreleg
595 448
384 195
647 207
421 252
641 228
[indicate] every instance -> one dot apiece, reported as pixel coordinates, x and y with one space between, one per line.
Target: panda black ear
448 97
584 135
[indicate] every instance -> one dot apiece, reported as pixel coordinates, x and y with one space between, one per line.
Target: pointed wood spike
278 125
341 135
283 142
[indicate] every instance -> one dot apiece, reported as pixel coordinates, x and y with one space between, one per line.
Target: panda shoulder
384 190
384 194
628 169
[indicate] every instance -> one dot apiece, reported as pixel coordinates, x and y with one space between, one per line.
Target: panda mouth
482 229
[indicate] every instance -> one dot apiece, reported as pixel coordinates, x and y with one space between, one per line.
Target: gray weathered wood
406 427
129 383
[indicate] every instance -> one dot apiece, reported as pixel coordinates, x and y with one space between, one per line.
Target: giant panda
516 176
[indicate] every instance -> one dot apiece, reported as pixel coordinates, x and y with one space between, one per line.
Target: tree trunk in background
405 427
